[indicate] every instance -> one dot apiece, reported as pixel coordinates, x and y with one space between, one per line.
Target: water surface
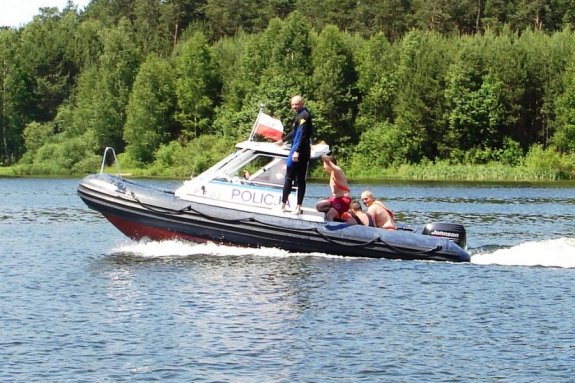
80 302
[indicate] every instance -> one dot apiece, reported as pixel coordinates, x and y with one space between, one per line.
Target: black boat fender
160 210
372 236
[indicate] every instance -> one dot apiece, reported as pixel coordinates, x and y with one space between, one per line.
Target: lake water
81 303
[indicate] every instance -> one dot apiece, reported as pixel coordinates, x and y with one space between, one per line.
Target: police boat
236 202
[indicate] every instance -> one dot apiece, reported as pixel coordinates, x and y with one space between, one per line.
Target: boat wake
549 253
182 249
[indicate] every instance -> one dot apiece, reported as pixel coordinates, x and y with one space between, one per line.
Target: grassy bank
444 172
493 172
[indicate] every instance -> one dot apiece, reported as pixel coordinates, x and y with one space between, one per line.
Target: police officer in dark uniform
300 152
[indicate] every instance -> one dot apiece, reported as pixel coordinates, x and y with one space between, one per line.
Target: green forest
418 89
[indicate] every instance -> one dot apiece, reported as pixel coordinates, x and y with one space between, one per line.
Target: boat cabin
252 175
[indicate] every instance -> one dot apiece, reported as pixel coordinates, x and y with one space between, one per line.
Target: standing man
335 206
299 154
382 216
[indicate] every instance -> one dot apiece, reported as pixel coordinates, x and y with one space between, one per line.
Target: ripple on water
80 300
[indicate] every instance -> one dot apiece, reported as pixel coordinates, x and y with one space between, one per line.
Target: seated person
382 216
335 206
358 216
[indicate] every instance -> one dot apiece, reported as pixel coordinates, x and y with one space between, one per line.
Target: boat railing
110 149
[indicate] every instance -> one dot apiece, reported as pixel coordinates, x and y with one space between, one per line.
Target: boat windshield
266 169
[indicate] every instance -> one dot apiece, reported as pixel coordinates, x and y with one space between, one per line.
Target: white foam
176 248
549 253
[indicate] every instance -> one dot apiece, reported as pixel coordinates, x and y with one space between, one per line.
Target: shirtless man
358 216
382 216
339 201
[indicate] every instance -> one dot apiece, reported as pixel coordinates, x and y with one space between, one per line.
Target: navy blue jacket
300 137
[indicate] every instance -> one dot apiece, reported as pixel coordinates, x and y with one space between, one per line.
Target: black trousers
295 175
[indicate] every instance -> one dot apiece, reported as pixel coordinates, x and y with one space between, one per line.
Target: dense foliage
172 84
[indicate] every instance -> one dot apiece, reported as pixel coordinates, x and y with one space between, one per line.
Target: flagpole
253 132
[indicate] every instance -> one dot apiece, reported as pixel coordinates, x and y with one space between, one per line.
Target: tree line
172 85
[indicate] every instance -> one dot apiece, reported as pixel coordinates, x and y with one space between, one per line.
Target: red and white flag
269 127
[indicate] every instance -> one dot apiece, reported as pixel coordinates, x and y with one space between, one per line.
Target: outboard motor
452 231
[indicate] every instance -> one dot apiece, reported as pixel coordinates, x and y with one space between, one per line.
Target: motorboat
237 202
